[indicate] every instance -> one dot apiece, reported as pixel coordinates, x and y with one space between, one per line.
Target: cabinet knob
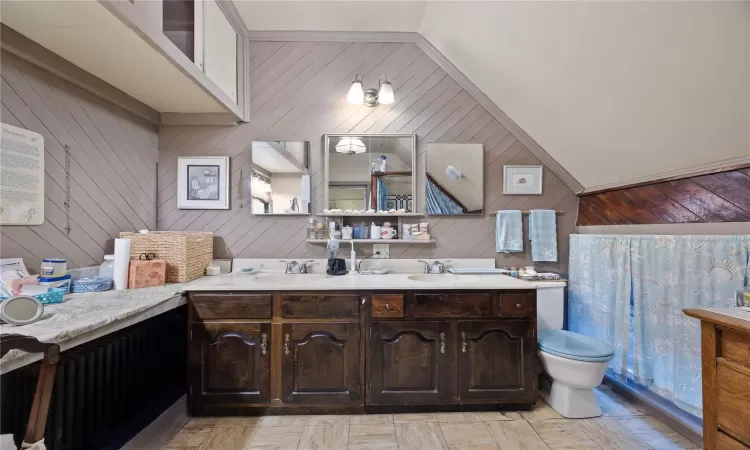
387 307
287 338
519 306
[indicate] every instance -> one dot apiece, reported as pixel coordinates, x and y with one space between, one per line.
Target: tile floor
622 427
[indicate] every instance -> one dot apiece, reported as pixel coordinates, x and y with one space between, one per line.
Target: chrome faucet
290 265
436 267
301 267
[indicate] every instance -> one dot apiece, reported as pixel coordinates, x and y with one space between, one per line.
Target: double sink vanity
279 343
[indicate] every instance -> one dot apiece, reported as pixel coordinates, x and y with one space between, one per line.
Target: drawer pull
387 307
263 344
442 342
463 342
519 306
363 300
286 344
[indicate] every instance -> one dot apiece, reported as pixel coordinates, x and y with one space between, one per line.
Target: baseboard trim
162 430
686 424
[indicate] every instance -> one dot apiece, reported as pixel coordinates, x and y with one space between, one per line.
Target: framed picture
203 182
522 180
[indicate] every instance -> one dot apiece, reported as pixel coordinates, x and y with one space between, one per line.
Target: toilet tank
550 306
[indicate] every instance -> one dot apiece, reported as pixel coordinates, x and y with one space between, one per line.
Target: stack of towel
542 233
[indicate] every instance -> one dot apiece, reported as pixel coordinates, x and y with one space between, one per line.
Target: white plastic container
54 267
107 268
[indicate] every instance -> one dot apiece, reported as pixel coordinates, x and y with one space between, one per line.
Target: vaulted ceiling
616 92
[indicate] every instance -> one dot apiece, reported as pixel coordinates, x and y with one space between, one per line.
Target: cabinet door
229 363
411 362
320 363
220 49
497 360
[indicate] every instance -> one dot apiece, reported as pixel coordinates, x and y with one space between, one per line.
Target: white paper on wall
21 176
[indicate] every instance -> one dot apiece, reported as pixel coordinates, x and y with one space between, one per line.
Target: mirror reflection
280 178
455 179
370 172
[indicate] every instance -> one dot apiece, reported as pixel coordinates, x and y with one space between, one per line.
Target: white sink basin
443 278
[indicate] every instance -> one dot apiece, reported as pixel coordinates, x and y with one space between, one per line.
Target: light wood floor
622 427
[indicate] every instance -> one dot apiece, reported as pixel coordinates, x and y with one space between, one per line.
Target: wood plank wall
298 92
113 167
718 197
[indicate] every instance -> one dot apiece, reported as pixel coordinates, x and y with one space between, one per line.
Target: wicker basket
187 253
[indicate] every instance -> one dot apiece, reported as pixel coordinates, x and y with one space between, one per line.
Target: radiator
101 386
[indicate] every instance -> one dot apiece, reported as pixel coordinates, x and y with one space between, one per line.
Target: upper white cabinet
219 48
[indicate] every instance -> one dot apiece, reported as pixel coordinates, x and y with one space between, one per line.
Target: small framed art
203 182
522 180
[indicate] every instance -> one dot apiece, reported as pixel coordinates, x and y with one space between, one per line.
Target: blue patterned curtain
439 203
382 194
671 273
599 292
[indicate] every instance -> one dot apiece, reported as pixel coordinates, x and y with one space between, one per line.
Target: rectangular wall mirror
455 179
355 177
280 183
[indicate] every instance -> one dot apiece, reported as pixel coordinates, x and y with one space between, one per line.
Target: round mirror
21 310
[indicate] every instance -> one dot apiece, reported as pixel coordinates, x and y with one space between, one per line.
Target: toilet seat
578 347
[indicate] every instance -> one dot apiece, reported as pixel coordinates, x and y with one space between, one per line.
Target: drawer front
452 305
231 306
733 399
727 442
736 347
319 306
388 305
517 305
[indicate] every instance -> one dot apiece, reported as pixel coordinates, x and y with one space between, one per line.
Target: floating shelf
375 241
370 214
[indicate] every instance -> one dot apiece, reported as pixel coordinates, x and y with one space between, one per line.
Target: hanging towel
304 196
509 232
543 234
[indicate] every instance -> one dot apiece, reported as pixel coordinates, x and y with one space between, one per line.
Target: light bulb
356 95
385 96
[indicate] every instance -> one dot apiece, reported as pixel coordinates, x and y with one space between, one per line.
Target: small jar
514 272
54 267
107 268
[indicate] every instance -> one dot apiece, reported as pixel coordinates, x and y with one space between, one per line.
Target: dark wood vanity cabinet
496 361
320 363
251 353
229 363
408 362
452 347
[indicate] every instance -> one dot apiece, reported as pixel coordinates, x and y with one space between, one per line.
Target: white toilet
574 362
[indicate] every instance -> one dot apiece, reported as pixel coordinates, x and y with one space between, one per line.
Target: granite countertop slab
87 316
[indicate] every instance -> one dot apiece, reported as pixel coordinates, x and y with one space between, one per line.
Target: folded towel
543 234
509 232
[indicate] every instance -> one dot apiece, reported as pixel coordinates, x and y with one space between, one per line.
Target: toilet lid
574 346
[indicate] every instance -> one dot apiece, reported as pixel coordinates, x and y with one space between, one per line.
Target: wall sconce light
371 97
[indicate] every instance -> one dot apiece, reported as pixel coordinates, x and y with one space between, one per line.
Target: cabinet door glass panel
497 359
234 361
411 362
321 363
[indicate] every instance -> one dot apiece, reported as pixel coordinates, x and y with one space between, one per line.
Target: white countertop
278 281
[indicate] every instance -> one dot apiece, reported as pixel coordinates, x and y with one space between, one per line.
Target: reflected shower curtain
599 292
671 273
439 203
